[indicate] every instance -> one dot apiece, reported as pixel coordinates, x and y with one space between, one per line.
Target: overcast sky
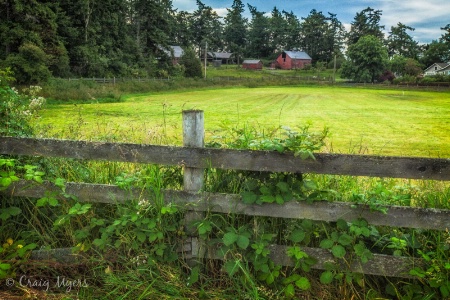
426 16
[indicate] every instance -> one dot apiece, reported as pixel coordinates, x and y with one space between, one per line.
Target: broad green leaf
326 277
41 202
242 241
345 239
152 236
268 198
5 181
326 244
303 283
229 238
38 179
74 209
289 292
53 201
248 197
309 185
99 243
193 278
283 186
22 251
265 190
279 199
338 251
342 224
297 235
141 236
270 278
159 252
292 278
13 210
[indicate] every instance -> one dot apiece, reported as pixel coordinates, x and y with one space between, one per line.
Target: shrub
29 65
191 63
16 110
387 76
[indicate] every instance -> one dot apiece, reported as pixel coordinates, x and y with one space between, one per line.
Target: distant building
288 60
175 52
252 64
222 57
435 68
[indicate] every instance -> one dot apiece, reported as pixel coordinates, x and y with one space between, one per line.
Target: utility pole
206 50
334 69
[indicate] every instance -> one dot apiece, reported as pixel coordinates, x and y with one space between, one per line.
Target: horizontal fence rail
396 216
194 158
334 164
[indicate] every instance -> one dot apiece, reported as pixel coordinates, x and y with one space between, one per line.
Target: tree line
91 38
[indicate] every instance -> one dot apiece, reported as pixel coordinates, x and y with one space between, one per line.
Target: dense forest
41 39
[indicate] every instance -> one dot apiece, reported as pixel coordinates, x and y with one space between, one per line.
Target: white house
434 68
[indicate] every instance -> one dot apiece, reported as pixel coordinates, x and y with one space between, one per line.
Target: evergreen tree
258 35
335 37
235 29
181 35
28 31
399 42
293 27
278 31
314 38
366 22
205 27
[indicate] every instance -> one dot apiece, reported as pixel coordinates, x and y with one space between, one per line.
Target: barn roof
297 54
251 61
222 55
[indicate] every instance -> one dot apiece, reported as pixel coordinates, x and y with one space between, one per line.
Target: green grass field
368 121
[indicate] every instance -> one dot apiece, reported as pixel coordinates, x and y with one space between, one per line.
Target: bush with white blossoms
17 109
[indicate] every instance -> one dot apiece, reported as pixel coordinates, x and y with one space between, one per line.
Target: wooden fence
194 158
114 80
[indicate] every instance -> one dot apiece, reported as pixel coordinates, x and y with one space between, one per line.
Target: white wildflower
36 103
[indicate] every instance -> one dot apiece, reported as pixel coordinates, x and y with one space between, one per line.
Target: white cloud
222 12
185 5
425 16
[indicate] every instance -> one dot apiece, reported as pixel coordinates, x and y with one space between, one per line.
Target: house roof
177 51
446 68
251 61
297 54
440 65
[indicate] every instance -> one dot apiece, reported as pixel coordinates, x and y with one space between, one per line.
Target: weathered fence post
193 136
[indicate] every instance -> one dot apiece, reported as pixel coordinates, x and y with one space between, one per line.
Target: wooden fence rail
195 159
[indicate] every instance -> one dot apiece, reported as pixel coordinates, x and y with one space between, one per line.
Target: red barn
252 64
288 60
